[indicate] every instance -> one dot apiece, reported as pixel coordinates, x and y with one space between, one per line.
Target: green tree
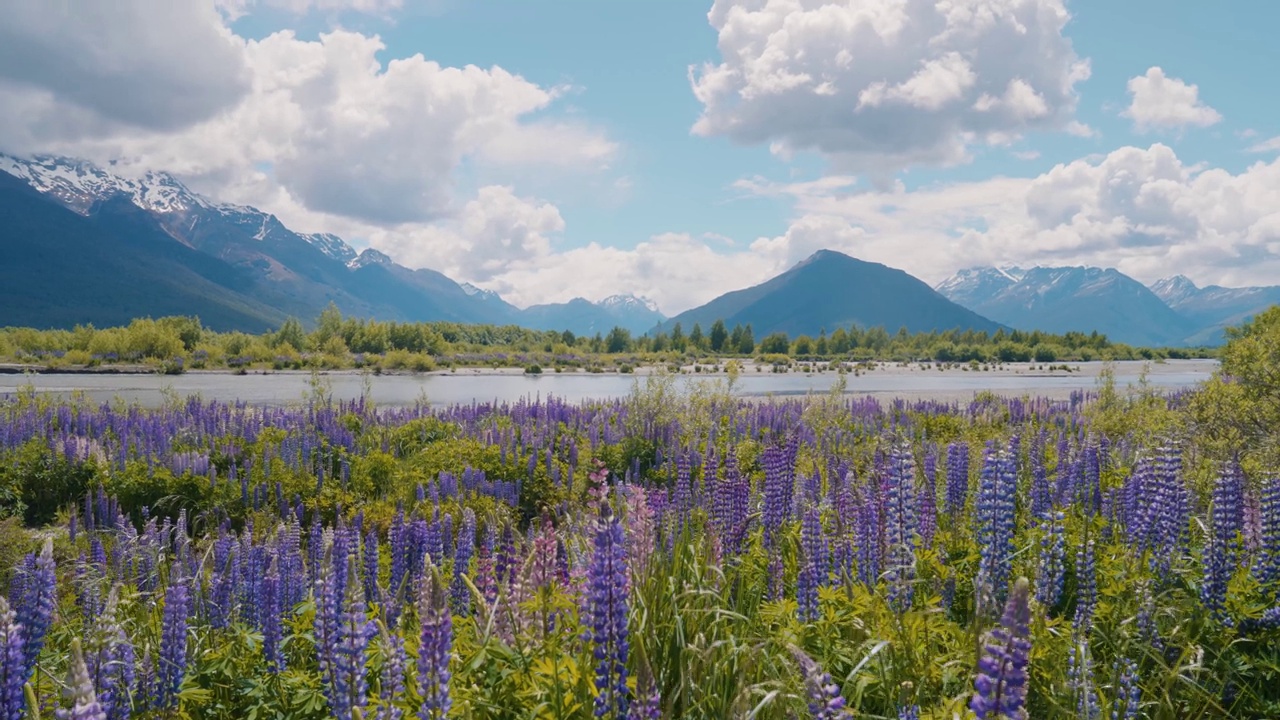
776 343
290 333
677 338
718 336
619 340
747 344
695 336
1239 409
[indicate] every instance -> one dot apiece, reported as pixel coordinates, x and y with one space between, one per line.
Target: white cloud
884 84
1139 209
1161 102
1266 146
340 132
237 8
105 67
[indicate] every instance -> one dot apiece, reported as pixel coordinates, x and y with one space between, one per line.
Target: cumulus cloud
1139 209
884 84
1266 146
74 68
1161 102
340 131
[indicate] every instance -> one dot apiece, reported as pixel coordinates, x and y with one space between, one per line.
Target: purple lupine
270 620
1000 687
900 528
465 546
909 712
812 565
1041 494
173 644
779 488
1081 681
110 661
348 684
434 649
928 498
957 478
608 613
1086 588
79 691
825 700
372 591
1050 574
1267 568
869 549
391 682
36 604
1127 700
486 576
1226 522
12 667
995 524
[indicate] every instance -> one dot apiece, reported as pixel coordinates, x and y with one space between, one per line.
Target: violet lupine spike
825 700
957 478
36 604
1226 522
348 684
608 611
173 644
900 528
434 649
79 691
109 660
1081 681
270 619
1086 588
372 590
391 683
12 668
1051 572
1267 568
779 486
928 499
1000 686
465 546
995 523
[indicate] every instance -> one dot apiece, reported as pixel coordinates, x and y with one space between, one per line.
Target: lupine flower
372 591
486 576
12 667
995 523
928 499
173 644
348 684
869 548
1049 578
900 530
1267 568
608 613
461 594
1000 687
825 700
909 712
957 478
434 649
391 682
110 661
1128 695
1080 680
79 692
1086 588
36 604
1226 522
779 487
270 618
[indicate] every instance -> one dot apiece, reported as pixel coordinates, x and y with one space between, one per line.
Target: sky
678 149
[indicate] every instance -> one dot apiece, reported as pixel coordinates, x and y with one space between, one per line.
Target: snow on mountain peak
369 257
332 245
478 292
79 184
619 303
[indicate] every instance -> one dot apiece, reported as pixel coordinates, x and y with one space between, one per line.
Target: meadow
674 554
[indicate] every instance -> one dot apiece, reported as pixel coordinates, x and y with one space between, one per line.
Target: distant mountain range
83 244
1171 312
829 290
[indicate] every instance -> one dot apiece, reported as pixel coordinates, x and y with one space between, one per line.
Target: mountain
1214 307
828 290
277 271
1063 299
636 314
109 264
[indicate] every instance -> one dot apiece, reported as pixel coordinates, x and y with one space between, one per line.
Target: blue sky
572 159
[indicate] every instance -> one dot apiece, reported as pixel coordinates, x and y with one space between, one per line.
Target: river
466 386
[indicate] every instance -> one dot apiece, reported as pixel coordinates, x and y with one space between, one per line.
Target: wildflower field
663 555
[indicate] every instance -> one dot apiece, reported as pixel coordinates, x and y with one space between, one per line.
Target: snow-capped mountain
332 245
976 285
1214 307
79 184
629 303
368 257
480 293
1065 299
